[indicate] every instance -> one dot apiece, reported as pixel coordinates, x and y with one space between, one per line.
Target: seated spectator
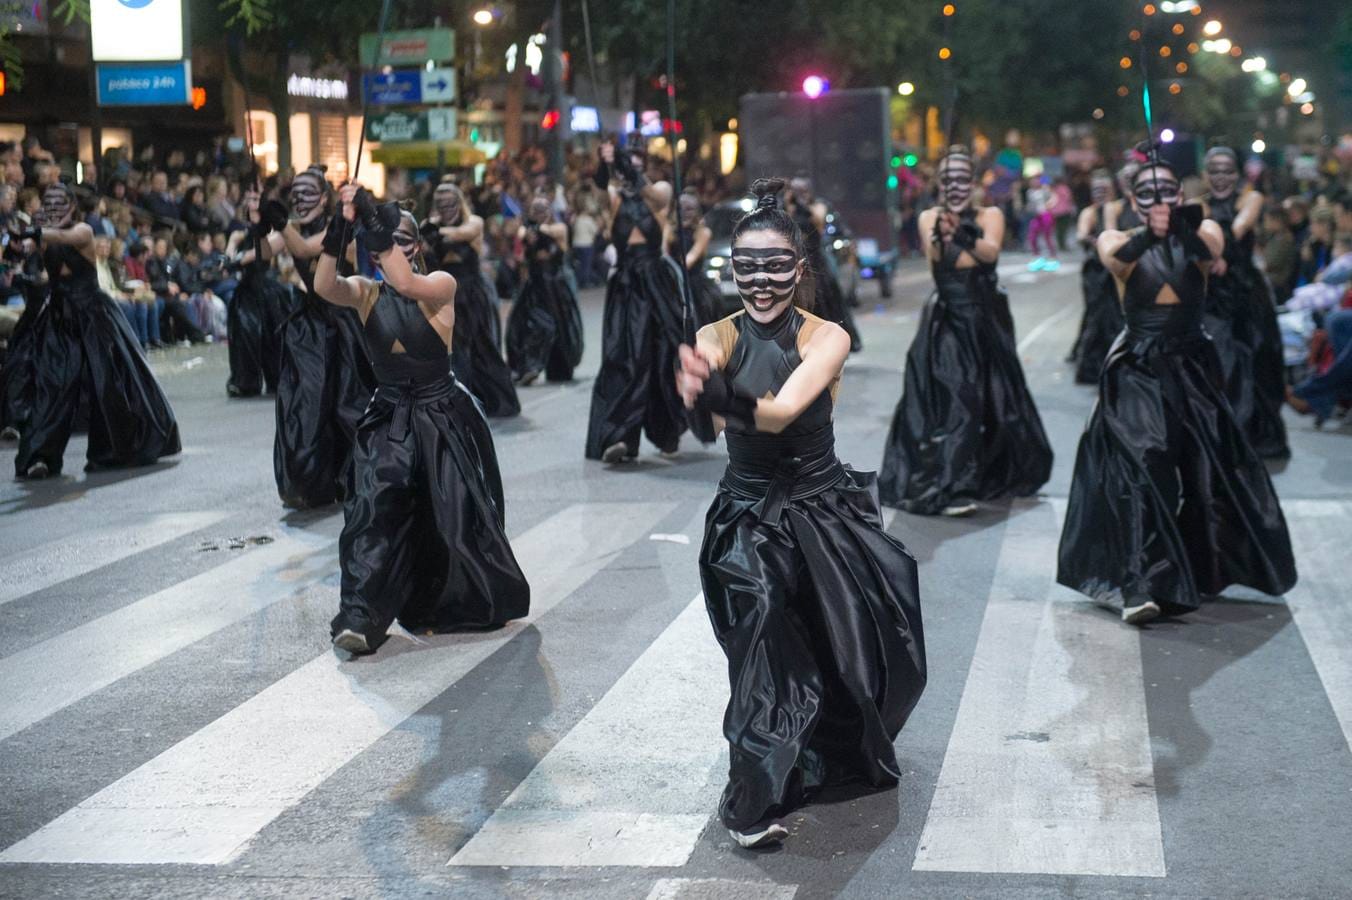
138 282
220 211
195 277
1279 252
193 210
164 269
159 202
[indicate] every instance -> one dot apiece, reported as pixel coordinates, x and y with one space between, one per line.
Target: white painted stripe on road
1048 768
1319 601
201 800
1041 328
635 782
83 552
46 677
719 889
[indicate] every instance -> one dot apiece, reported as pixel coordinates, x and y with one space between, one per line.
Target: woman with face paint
1241 315
810 214
635 390
259 307
423 538
455 238
1102 321
544 331
324 376
1120 215
1169 502
84 346
815 605
690 232
966 428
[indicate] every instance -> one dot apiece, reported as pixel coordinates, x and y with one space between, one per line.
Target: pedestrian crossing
1047 770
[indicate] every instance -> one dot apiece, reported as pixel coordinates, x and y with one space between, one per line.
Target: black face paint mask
1151 189
689 208
1222 175
306 196
57 208
447 203
1098 192
955 184
765 278
409 242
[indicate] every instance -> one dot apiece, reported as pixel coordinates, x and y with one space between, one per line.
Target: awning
423 154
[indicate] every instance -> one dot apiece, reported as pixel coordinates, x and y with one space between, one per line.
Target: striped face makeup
307 195
766 279
1155 184
955 181
1222 173
58 207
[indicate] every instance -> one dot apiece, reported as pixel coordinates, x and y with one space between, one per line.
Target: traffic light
910 159
550 120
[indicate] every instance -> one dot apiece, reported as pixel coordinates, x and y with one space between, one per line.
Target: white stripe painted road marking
1041 327
47 677
719 889
83 552
201 800
1318 602
635 782
1048 768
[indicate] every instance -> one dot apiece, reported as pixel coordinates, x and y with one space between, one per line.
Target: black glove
335 238
624 167
721 397
1184 221
1140 240
430 233
966 235
273 215
378 221
602 174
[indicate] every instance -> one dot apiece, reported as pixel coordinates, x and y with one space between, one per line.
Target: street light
1212 28
906 89
1254 64
1307 109
1296 87
483 17
1258 145
1167 136
815 85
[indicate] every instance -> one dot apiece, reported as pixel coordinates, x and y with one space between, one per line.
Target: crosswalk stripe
656 736
720 888
201 800
1318 602
48 676
1048 768
81 553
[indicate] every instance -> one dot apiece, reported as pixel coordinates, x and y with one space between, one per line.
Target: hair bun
766 191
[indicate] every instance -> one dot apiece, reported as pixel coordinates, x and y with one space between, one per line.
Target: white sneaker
959 510
774 833
9 434
351 641
615 453
38 470
1141 613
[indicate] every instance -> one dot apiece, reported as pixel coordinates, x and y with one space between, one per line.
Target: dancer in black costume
635 390
1103 320
544 331
690 232
83 346
257 310
809 213
1241 316
1169 503
455 237
965 428
18 377
1120 215
816 607
324 376
423 539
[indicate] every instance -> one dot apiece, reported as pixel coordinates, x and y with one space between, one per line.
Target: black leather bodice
82 274
544 256
1148 320
397 323
955 284
634 213
764 358
1223 212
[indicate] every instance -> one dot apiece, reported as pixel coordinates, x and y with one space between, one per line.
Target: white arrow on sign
438 85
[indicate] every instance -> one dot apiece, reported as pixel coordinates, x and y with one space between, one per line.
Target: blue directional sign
145 84
405 87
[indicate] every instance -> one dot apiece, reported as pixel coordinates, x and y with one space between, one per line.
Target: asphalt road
174 723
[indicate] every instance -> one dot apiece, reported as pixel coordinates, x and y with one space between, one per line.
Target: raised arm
698 247
467 231
352 291
435 290
1084 226
1250 211
992 221
78 235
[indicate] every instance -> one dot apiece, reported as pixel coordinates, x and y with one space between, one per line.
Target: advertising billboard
137 30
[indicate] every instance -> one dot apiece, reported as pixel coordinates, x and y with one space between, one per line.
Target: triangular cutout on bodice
1167 297
397 347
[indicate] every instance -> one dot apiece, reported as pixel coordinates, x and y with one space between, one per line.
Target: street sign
418 125
145 84
410 86
405 47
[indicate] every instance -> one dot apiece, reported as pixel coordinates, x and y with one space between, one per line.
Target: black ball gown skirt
84 349
635 390
966 427
1103 320
18 375
475 357
544 330
423 539
260 305
1169 502
818 611
324 383
1242 321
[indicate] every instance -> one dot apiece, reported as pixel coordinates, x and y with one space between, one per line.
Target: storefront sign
317 88
411 86
405 47
136 30
145 84
423 125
